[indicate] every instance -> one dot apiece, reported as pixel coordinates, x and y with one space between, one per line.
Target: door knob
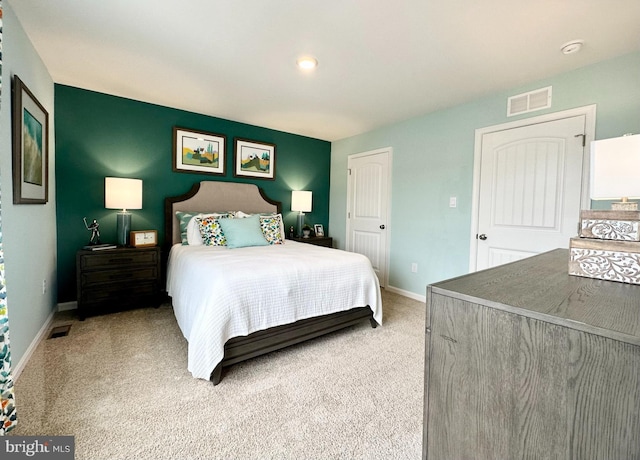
482 237
382 227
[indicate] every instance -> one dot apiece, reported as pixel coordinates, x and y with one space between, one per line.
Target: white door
531 181
367 208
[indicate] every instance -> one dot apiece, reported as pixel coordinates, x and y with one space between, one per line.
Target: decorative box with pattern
610 225
605 259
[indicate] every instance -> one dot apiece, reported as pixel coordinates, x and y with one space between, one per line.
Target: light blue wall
28 230
433 160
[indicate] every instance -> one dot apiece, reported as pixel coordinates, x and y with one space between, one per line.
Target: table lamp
122 193
301 202
615 171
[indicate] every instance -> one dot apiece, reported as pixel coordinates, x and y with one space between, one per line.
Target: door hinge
349 170
584 138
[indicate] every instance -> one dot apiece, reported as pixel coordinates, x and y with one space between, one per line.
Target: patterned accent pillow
183 219
271 226
194 237
211 231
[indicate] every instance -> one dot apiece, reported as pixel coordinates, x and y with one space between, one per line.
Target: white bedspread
220 293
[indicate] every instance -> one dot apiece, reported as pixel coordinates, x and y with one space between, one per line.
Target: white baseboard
42 333
68 306
402 292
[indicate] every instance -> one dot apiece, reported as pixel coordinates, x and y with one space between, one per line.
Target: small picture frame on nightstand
318 229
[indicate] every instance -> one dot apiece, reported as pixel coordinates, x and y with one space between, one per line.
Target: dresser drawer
120 293
110 259
122 275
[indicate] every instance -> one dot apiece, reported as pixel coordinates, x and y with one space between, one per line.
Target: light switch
453 202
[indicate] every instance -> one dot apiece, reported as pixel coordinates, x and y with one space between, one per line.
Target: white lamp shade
122 193
615 168
301 201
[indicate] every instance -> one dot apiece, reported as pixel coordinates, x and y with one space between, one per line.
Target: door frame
387 254
589 111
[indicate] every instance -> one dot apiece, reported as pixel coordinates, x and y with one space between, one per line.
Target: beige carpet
119 384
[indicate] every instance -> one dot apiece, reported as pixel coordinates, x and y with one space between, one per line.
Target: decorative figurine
94 228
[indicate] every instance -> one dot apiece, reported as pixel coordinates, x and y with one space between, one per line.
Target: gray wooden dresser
526 361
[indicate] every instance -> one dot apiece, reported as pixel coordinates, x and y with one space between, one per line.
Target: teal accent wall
433 160
99 135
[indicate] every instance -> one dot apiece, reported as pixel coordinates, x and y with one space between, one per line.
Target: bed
233 303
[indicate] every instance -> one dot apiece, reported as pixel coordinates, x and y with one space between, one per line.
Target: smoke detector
572 47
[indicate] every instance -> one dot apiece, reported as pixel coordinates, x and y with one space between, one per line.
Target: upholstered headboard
214 196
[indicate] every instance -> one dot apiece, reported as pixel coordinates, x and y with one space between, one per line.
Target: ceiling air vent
529 102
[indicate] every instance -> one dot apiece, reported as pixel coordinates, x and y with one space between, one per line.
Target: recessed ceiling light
307 63
572 47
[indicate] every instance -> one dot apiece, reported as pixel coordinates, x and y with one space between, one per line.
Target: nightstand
116 279
325 241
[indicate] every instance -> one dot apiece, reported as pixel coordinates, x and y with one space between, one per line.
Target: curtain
8 417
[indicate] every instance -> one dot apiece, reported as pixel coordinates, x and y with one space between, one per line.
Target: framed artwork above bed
198 151
254 159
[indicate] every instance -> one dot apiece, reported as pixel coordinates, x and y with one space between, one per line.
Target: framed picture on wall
254 159
30 124
198 151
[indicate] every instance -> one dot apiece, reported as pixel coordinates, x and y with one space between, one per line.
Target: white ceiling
379 61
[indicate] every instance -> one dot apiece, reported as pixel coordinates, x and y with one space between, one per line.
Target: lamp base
300 224
123 227
624 206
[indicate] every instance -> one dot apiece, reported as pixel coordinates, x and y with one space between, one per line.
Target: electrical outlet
414 268
453 202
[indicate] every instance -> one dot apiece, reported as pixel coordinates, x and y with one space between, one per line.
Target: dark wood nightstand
116 279
325 241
